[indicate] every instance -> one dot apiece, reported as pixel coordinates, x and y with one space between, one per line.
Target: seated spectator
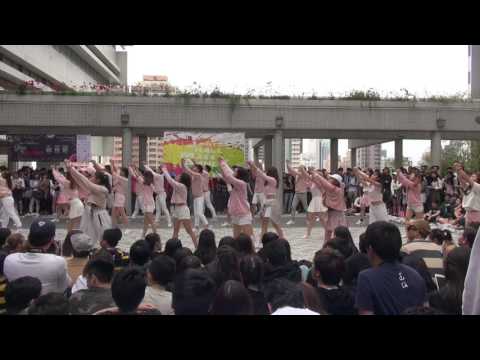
66 249
98 295
244 245
312 300
82 246
444 239
468 237
160 274
227 240
20 293
286 298
171 246
226 266
422 310
449 298
140 253
181 254
232 299
267 238
389 287
207 248
194 292
342 232
50 269
329 267
3 282
416 262
353 266
155 244
419 243
50 304
433 214
15 243
252 269
128 291
109 243
4 234
279 264
189 262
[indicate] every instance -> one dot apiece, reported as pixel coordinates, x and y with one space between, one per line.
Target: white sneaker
134 216
169 225
305 236
225 224
359 222
290 222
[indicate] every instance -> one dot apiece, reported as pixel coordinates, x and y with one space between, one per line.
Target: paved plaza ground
301 248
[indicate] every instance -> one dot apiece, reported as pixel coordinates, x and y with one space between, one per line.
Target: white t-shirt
287 310
160 298
472 200
50 269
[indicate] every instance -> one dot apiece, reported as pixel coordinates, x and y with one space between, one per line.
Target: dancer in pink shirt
258 191
197 194
120 188
378 209
181 212
271 211
238 206
69 188
161 200
145 188
206 191
414 194
6 201
301 185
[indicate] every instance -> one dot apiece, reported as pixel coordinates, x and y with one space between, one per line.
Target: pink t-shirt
65 188
334 195
97 194
271 187
259 184
4 189
205 181
414 192
301 183
197 189
158 181
238 202
179 195
120 184
375 193
146 192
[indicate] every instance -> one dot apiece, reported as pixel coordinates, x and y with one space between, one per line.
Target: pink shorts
335 218
119 200
472 216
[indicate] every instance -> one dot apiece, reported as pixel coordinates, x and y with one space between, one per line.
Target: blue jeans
287 201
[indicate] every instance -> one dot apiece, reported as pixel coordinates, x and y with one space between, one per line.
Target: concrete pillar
279 162
398 153
436 148
333 155
267 152
256 151
142 150
126 160
353 157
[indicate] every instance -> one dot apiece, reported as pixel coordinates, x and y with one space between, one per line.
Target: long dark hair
186 180
8 177
148 178
207 249
456 266
103 180
273 172
243 174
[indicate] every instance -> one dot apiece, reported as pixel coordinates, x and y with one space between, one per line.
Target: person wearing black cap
50 269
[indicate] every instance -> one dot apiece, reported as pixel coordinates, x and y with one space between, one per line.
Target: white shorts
415 209
316 205
258 198
181 212
148 208
378 213
76 208
242 220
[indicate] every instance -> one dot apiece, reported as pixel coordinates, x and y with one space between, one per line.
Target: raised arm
322 182
59 177
170 180
291 170
261 174
404 181
188 170
462 175
97 166
115 171
227 173
83 181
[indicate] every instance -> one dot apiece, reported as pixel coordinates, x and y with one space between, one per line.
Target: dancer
333 189
301 185
414 194
206 191
271 211
120 188
95 218
181 212
238 206
138 199
378 209
161 199
471 199
258 192
145 188
61 199
8 204
197 194
69 189
107 170
316 208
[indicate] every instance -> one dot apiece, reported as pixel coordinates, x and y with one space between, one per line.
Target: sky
321 70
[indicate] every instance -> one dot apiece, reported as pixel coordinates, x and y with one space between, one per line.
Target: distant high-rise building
293 151
154 151
154 85
369 157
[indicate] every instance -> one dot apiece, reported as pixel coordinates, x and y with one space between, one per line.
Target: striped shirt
430 252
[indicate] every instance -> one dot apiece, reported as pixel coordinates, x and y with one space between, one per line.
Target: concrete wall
474 68
99 115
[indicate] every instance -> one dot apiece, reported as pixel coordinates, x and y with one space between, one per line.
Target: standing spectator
18 189
35 194
50 269
98 295
389 287
351 188
386 180
288 192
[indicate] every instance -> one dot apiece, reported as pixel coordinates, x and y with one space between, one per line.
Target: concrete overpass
272 120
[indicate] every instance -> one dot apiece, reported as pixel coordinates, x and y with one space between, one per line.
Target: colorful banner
204 148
